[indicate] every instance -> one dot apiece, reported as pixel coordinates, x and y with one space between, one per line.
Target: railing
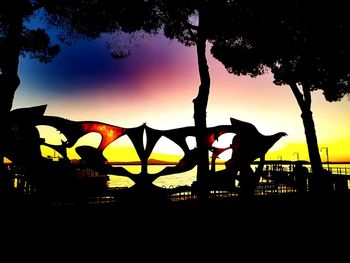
278 182
340 170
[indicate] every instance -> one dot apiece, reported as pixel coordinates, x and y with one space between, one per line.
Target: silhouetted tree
16 39
194 23
305 45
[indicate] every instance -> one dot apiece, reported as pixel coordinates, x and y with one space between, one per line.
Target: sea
167 181
187 178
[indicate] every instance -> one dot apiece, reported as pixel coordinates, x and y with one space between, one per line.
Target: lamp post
326 148
297 154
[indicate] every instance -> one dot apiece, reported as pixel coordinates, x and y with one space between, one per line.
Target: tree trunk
311 140
200 112
9 80
304 102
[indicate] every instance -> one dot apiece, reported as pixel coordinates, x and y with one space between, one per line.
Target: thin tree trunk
311 140
304 102
200 111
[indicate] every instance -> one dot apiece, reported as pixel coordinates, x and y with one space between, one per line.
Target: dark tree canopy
300 41
181 18
34 42
90 19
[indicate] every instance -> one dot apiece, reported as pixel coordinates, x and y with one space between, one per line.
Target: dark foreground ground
259 209
286 228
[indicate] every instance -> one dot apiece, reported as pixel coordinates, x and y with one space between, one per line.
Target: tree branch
297 94
190 29
307 93
189 25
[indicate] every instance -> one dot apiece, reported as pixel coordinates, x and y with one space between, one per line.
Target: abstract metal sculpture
248 144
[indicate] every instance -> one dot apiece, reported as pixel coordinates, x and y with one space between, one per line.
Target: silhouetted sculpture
61 180
215 154
247 145
22 145
47 179
92 158
73 130
23 140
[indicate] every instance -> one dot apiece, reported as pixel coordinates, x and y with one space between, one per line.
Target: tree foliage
34 42
302 42
90 19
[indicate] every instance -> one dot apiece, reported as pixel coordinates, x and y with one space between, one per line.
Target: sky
156 85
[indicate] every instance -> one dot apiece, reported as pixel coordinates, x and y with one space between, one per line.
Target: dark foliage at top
301 42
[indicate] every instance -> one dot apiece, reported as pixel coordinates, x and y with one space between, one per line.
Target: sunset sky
157 84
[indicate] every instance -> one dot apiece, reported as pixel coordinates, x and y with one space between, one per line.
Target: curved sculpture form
248 145
24 143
